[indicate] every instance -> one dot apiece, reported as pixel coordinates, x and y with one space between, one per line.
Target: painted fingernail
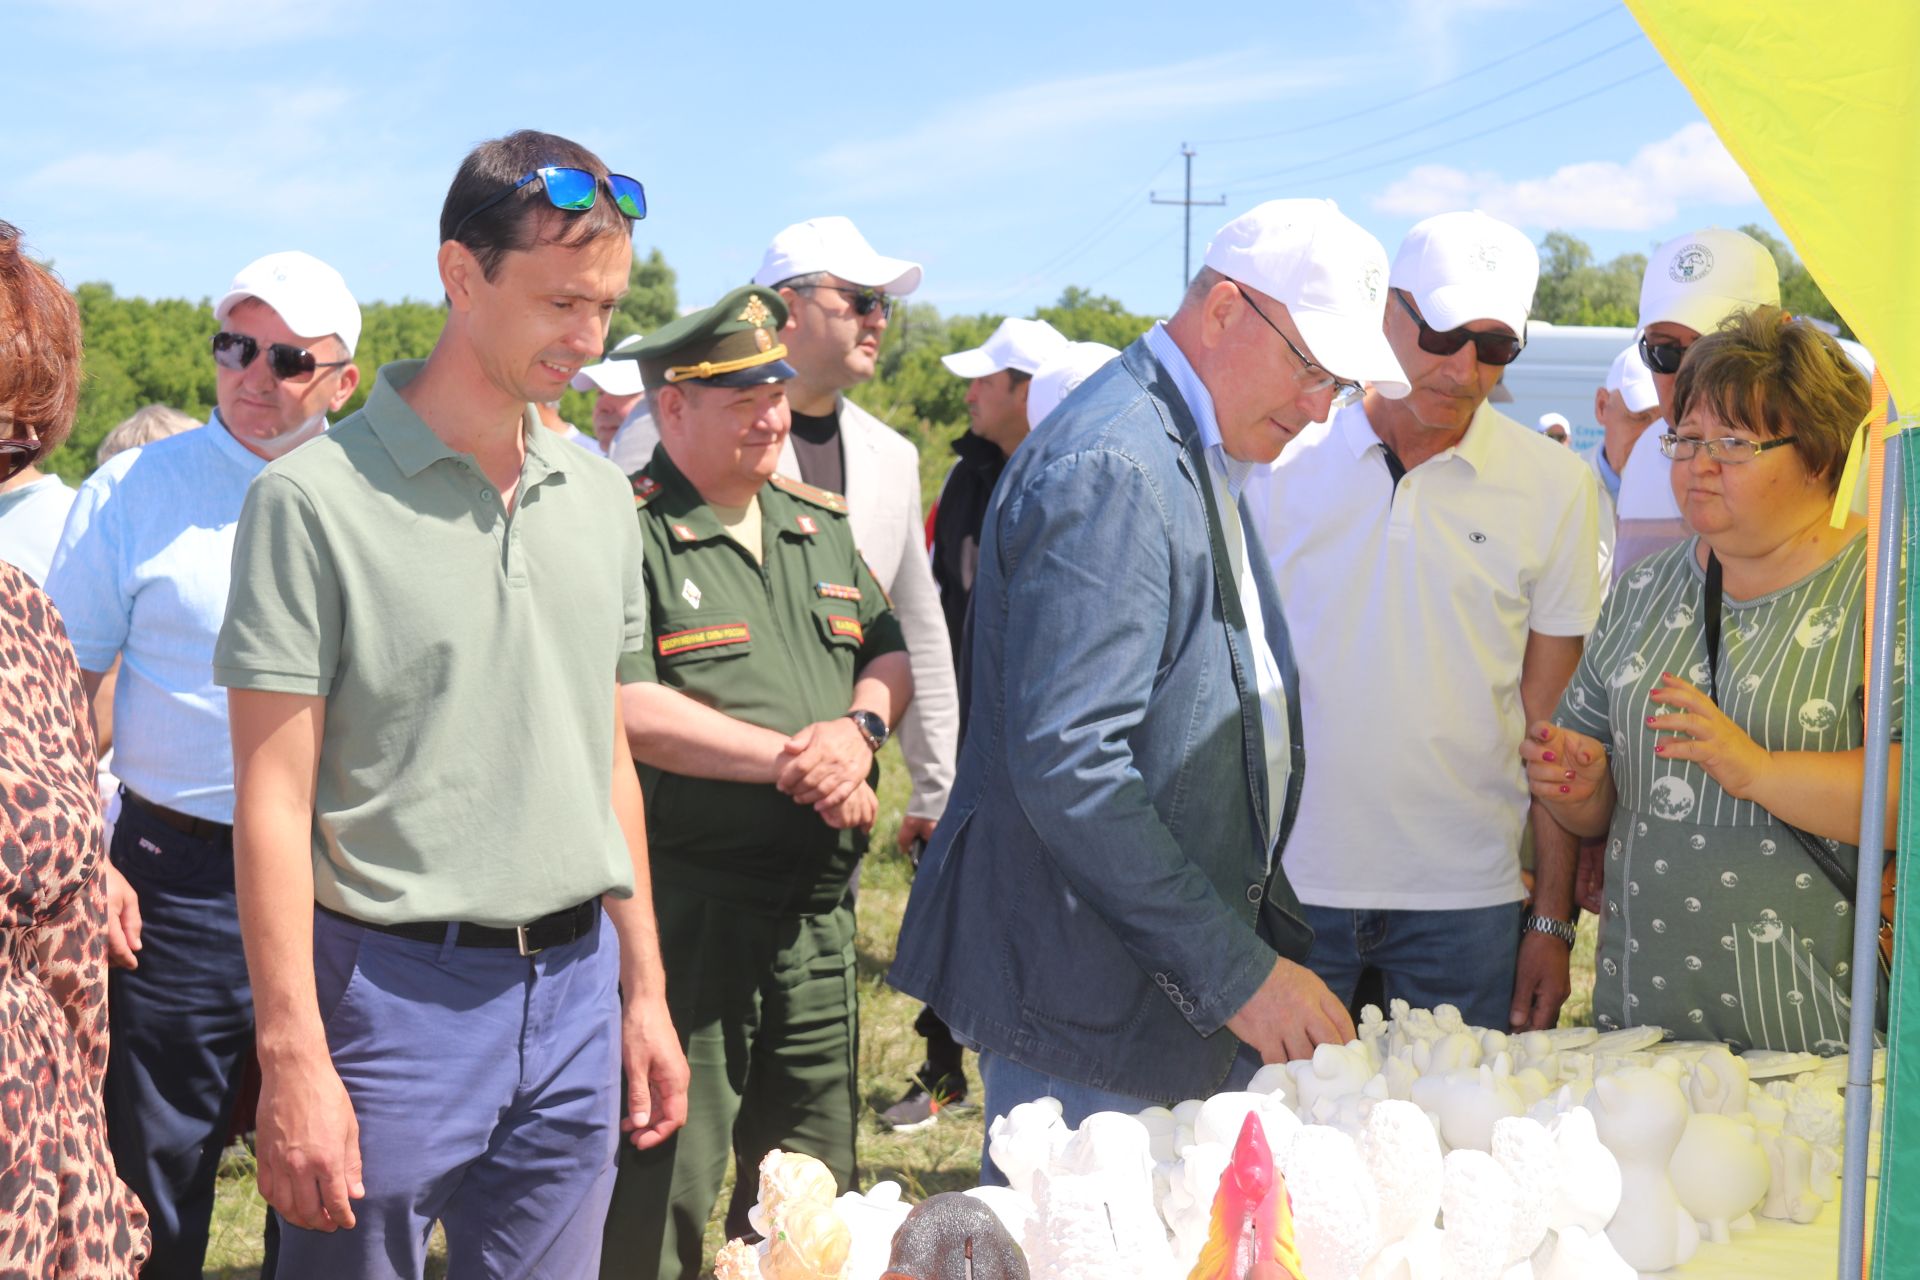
1565 790
1650 719
1569 774
1547 756
1660 750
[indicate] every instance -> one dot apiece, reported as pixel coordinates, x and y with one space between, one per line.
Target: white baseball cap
308 294
1017 344
1630 376
1056 379
613 377
1462 267
1701 278
1548 420
834 245
1330 274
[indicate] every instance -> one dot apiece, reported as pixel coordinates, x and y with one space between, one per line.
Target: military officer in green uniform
777 667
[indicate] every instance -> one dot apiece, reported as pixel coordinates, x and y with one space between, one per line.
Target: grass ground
945 1157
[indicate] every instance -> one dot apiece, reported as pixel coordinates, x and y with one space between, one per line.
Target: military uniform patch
689 592
645 489
683 533
834 591
678 642
806 524
849 627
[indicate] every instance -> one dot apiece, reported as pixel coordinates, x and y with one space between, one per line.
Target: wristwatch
871 727
1553 928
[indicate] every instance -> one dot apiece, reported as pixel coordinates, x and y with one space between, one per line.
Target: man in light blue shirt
33 510
141 574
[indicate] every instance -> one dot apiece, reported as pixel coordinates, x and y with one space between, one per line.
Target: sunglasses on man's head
285 361
865 299
570 191
1662 357
1491 348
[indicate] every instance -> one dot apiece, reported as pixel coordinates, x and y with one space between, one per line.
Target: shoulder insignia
645 489
808 493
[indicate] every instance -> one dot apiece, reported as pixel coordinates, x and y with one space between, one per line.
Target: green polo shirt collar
414 447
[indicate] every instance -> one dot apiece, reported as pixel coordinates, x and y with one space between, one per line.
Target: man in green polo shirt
440 850
773 668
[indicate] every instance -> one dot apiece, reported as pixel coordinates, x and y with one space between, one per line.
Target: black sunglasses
570 191
236 351
1490 348
864 299
16 455
1662 357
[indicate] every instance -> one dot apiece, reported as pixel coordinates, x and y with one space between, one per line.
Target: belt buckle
520 937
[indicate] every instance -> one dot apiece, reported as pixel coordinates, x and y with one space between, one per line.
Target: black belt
569 924
184 823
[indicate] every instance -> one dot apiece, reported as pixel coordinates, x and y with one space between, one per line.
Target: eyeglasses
1725 449
1313 378
1488 348
16 455
571 191
285 361
1662 357
864 299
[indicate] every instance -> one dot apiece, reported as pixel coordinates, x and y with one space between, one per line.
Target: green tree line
141 351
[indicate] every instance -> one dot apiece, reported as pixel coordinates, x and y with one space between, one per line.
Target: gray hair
1201 285
810 280
148 423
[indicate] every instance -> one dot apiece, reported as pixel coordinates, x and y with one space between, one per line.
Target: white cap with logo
310 296
1630 376
1701 278
1462 267
1330 274
613 377
1017 344
834 245
1056 379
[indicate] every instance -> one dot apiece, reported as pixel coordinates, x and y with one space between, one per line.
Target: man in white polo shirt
142 574
1438 564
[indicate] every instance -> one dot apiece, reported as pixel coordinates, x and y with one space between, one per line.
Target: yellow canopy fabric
1820 105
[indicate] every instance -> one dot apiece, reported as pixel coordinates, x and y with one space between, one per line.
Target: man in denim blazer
1104 895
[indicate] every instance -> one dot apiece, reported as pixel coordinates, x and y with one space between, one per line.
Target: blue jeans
1008 1084
182 1032
1466 958
487 1090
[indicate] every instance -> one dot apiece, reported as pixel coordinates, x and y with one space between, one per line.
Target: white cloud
227 23
1690 168
1024 129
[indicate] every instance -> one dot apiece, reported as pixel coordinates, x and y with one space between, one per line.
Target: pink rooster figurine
1252 1233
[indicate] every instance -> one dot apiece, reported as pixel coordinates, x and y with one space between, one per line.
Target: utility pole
1186 242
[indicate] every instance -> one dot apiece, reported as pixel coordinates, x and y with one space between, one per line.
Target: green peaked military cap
733 343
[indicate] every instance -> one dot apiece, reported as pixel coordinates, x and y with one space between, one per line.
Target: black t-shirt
816 444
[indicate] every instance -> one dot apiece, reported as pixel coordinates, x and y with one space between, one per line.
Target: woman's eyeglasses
1724 449
16 455
864 299
1490 348
570 191
285 361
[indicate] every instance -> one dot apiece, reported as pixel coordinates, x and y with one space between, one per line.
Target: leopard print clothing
63 1212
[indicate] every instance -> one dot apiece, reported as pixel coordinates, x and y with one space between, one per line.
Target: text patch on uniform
849 627
703 638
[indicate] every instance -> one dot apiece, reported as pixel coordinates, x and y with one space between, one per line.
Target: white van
1563 365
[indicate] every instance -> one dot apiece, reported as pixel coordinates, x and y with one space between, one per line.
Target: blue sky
1011 148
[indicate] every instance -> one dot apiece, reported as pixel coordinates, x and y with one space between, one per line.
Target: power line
1386 139
1106 225
1186 250
1491 129
1131 259
1417 93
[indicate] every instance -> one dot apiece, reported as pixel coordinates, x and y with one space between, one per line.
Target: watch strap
1553 928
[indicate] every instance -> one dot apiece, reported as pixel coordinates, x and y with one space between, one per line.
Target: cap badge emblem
689 592
1370 281
763 338
756 312
1693 262
1488 256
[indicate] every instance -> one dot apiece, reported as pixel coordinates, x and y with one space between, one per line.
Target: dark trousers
182 1031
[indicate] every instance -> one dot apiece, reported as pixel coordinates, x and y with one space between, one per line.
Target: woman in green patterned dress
1692 757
